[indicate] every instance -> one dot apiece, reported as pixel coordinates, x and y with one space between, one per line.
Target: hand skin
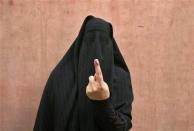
97 88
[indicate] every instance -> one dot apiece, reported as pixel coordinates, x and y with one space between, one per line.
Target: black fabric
64 105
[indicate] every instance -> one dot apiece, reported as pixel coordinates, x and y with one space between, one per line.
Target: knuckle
88 91
94 89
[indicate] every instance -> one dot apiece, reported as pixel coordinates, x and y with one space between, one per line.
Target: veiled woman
90 88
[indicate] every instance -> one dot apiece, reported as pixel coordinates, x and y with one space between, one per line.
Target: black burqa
64 105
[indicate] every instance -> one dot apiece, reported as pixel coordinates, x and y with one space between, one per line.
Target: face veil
96 43
64 104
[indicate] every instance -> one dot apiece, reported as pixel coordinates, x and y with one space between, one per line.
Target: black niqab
64 104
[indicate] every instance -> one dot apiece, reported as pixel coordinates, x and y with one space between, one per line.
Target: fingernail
96 62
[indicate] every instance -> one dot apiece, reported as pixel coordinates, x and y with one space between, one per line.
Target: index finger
98 70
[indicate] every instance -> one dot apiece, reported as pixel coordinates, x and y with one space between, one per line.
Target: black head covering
64 104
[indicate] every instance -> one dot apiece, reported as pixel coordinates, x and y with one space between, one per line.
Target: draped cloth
64 105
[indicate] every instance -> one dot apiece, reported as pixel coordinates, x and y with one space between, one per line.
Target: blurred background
156 38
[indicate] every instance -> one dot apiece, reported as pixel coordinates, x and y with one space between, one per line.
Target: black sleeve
109 118
44 118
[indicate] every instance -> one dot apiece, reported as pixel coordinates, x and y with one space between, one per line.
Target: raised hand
97 88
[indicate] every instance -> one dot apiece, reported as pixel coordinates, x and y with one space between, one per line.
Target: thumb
98 72
91 80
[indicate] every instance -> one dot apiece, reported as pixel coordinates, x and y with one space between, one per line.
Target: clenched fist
97 89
